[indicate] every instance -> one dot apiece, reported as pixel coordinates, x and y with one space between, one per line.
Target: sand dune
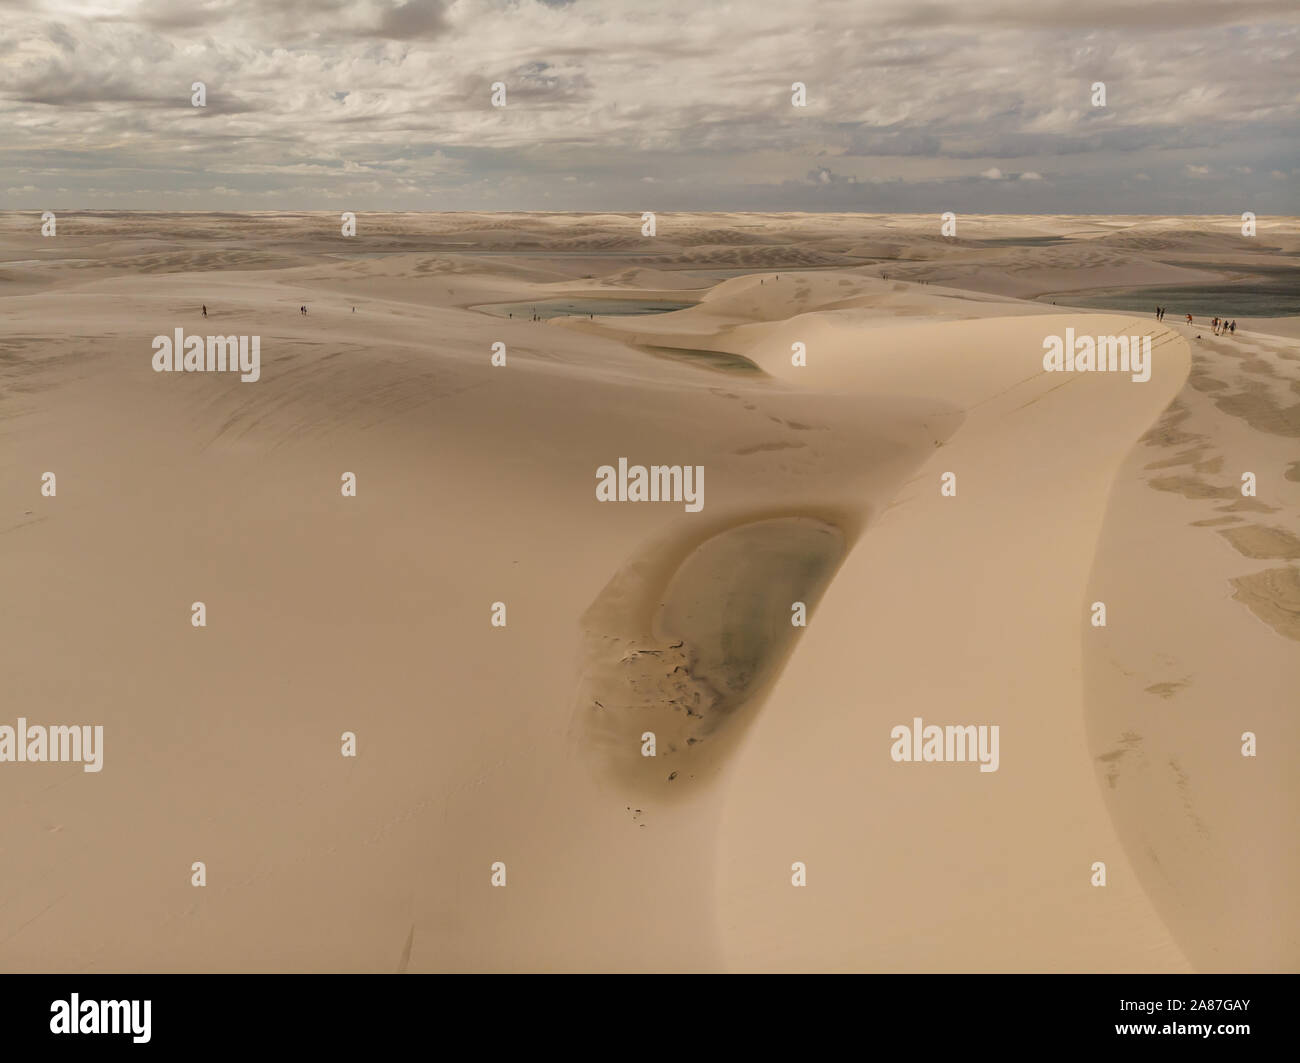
523 743
1203 654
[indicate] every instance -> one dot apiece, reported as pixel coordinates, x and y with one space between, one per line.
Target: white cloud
396 93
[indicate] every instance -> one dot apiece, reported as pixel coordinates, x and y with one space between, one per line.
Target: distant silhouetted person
1233 327
205 309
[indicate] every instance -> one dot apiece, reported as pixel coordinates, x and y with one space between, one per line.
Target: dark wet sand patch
684 644
1167 432
1167 690
1183 457
1129 742
1183 783
1192 487
1274 597
1259 409
730 602
1203 382
1247 505
1264 543
720 361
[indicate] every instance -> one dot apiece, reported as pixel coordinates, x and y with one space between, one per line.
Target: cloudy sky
912 105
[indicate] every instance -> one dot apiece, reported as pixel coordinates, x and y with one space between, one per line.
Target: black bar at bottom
672 1014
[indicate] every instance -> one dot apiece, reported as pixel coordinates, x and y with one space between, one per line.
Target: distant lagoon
548 308
1268 299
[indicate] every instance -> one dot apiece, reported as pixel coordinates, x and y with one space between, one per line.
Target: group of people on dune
1222 326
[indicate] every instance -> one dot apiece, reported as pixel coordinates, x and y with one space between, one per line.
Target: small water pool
580 307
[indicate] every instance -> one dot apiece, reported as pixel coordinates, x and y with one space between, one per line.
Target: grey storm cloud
409 20
313 101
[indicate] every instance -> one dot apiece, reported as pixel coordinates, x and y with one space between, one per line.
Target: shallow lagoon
1266 299
579 307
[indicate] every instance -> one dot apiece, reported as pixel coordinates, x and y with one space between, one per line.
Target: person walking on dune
205 309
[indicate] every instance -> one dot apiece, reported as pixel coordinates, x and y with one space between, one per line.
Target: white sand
476 485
